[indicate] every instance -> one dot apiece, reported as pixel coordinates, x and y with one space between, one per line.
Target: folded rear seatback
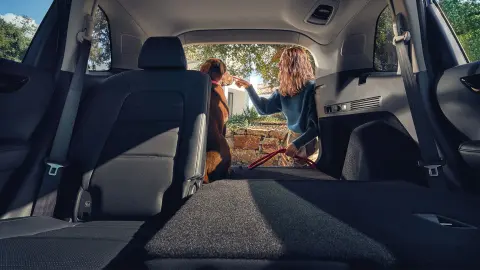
360 224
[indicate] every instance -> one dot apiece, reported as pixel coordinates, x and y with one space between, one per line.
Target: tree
15 37
242 59
385 58
100 52
464 16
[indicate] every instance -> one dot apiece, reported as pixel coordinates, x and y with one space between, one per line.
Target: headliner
175 17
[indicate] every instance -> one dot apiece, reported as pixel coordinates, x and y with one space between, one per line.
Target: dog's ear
205 67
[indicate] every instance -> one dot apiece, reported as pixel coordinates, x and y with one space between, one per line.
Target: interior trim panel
458 101
346 93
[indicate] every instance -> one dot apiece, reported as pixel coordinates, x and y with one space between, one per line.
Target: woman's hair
294 71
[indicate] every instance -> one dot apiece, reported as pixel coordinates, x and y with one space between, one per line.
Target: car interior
104 169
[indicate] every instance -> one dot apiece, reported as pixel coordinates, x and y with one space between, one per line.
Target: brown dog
218 152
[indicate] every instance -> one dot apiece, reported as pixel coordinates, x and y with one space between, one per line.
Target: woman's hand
291 150
241 82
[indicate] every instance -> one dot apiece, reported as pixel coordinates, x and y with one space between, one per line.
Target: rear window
101 53
19 21
249 134
385 54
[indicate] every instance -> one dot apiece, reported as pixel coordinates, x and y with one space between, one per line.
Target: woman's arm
306 137
265 105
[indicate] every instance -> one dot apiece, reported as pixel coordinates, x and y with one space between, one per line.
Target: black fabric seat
140 133
29 226
91 245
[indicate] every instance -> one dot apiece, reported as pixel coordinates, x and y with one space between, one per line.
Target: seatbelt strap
57 160
431 161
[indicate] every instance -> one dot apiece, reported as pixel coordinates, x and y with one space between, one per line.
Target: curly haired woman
295 98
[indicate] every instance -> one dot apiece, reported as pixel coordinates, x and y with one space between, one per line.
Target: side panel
24 97
458 93
345 94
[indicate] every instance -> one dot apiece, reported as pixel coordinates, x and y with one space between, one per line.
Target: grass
250 116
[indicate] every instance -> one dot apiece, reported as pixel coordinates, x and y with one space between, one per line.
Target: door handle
11 82
472 82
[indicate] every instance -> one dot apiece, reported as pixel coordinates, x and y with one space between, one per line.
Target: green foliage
464 16
243 59
385 53
237 121
244 119
100 53
250 117
16 37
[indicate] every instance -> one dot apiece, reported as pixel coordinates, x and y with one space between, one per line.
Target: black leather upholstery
139 132
162 53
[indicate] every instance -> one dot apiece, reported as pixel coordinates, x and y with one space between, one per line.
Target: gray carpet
226 220
278 173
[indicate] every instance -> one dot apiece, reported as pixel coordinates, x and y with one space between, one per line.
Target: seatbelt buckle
405 38
54 167
432 167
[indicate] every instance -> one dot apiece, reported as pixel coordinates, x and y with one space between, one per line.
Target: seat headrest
162 52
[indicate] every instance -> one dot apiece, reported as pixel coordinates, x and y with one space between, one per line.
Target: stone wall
250 144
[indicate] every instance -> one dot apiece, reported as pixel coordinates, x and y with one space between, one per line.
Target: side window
101 53
385 54
464 17
19 21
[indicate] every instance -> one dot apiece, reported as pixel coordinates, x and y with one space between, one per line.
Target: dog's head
217 70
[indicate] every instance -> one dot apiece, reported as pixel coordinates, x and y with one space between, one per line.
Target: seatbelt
57 160
431 161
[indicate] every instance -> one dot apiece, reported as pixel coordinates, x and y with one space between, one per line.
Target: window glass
100 54
385 54
249 134
464 17
19 21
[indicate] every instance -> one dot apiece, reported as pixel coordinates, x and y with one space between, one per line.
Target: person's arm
306 137
312 129
263 105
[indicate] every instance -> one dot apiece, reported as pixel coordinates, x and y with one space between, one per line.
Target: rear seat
142 132
139 134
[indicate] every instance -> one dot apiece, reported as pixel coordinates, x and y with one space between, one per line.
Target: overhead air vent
323 12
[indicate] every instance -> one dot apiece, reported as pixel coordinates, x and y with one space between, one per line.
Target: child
295 98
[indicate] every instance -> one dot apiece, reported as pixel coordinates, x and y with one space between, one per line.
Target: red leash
267 157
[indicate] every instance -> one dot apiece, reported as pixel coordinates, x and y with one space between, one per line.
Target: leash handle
267 157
